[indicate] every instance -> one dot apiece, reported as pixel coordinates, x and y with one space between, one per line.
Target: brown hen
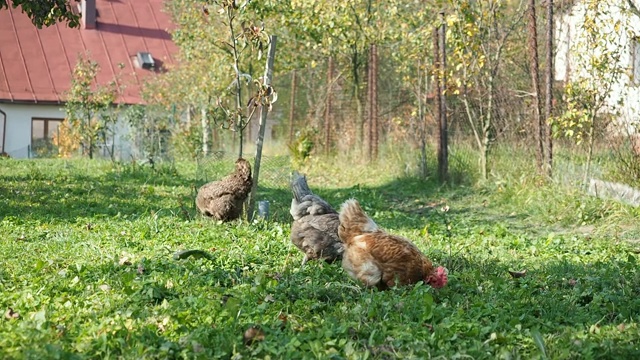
223 199
380 259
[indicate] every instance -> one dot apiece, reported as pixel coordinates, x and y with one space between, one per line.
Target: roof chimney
88 14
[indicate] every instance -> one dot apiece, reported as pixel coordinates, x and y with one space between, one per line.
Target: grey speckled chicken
223 199
315 224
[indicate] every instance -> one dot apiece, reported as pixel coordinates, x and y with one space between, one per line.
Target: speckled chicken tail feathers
299 186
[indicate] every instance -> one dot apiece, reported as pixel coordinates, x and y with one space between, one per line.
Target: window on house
635 58
44 128
42 132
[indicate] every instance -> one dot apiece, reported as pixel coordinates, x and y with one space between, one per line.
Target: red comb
442 275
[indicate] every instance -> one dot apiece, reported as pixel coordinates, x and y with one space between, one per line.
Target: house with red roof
129 39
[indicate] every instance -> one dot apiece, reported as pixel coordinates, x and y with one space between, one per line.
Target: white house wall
18 125
569 31
562 40
18 128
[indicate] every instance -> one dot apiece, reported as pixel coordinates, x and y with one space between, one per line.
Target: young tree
595 92
478 34
219 41
150 129
263 99
89 109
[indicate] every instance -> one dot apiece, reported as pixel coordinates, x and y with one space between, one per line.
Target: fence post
538 125
443 136
268 75
548 102
292 105
328 105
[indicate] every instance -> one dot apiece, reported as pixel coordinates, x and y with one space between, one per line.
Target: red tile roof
36 64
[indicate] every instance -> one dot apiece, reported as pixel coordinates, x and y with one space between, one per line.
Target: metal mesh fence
332 112
275 171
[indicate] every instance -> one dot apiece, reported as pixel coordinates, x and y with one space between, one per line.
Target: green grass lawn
87 269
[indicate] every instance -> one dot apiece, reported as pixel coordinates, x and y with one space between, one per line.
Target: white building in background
128 38
569 35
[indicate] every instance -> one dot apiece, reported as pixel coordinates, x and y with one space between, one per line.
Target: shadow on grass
64 196
482 299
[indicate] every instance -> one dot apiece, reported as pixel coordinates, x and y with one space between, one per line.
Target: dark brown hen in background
315 224
223 199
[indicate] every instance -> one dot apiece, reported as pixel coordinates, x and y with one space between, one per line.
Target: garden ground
88 269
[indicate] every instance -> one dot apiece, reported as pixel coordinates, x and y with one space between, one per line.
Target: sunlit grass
88 268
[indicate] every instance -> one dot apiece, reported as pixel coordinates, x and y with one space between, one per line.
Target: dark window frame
46 126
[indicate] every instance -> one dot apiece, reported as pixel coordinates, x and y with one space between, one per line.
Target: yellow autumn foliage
66 139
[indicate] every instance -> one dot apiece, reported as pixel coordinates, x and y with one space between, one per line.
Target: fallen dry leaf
10 314
252 335
124 261
518 274
277 276
283 320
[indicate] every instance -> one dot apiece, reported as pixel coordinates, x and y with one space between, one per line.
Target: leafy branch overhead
46 12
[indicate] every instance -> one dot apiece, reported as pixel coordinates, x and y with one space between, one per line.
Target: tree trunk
590 144
374 103
240 142
292 106
239 125
538 125
548 103
89 132
328 106
360 121
215 136
436 83
443 136
485 130
369 120
205 131
361 114
422 119
268 76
